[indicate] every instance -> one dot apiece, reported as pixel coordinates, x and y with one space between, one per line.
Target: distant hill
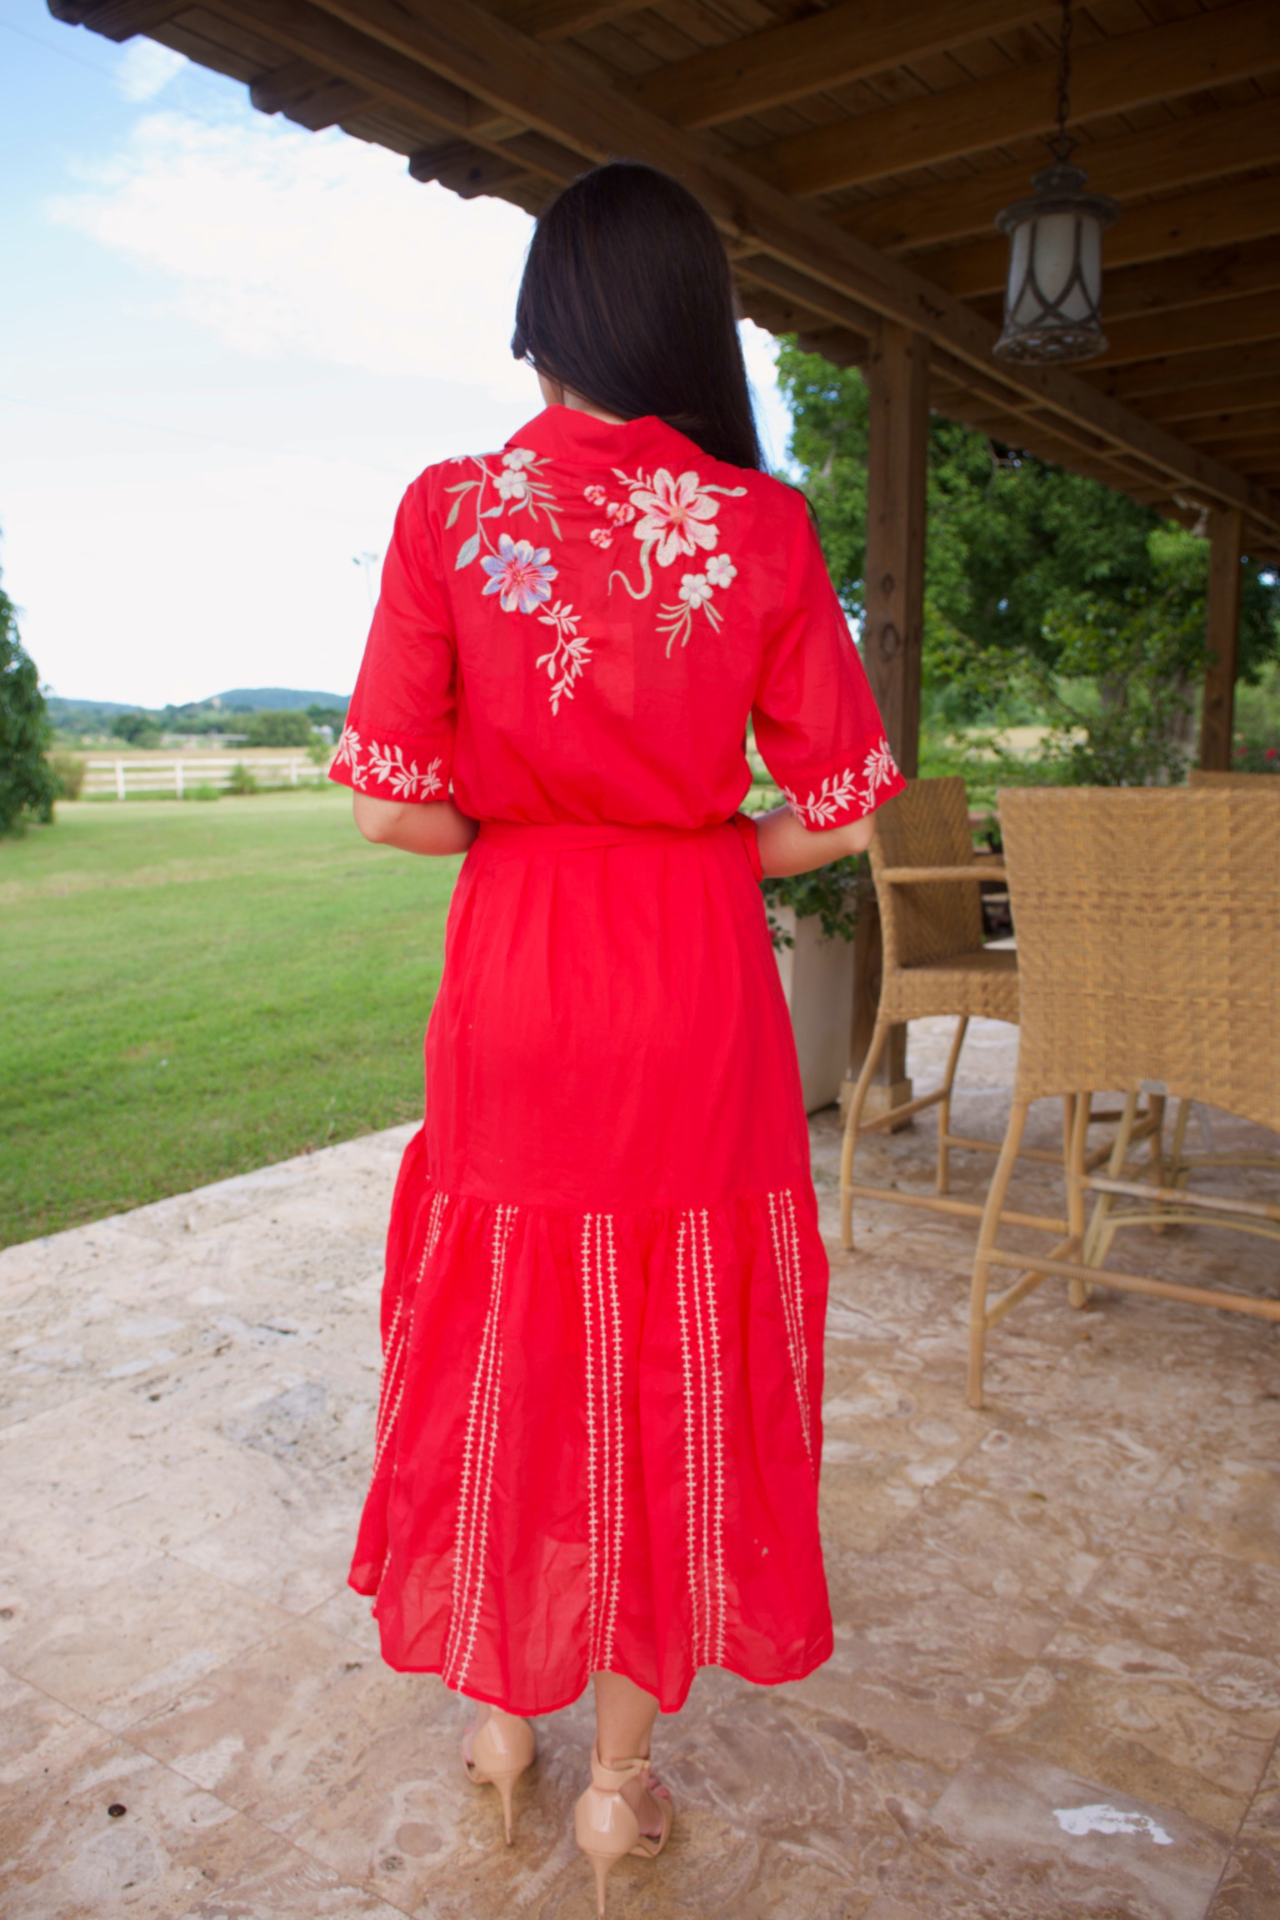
95 716
276 699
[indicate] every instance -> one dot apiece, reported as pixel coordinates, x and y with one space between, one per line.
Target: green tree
28 785
139 729
1046 594
282 729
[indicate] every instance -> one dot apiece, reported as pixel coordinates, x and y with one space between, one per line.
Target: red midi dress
599 1428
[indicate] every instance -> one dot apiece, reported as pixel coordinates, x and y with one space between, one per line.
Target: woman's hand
426 826
786 847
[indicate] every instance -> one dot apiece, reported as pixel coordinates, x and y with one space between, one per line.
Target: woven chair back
1236 782
1148 943
926 825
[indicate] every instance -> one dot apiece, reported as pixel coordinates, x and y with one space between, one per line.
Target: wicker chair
927 889
1149 947
1236 782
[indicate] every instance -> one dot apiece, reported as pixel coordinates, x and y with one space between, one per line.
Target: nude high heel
501 1750
606 1828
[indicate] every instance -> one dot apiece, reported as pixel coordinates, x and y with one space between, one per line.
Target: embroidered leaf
453 511
491 513
467 552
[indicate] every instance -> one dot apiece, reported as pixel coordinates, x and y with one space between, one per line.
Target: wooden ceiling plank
1187 372
1182 153
552 20
1220 216
1184 56
1195 279
1224 323
818 52
559 93
1248 456
1223 399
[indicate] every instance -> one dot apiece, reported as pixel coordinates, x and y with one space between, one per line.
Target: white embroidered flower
674 514
721 571
695 589
568 657
512 484
601 536
596 495
880 767
838 791
388 765
348 750
517 457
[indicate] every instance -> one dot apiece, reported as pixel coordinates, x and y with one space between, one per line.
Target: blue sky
226 345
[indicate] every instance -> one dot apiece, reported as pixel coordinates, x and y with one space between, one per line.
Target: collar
566 433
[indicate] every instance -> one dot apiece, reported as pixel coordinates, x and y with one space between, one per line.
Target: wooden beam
465 169
305 93
1222 635
1232 214
1182 153
1196 280
1247 455
818 52
1235 42
1224 323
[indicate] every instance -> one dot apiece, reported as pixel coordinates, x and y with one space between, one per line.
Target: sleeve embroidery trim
386 766
840 793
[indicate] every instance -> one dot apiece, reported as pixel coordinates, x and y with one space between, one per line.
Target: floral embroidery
568 656
671 516
348 751
520 488
387 764
519 573
840 790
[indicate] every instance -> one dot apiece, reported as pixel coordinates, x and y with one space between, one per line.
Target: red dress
599 1430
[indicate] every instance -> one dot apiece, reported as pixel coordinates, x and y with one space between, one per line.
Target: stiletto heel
606 1828
501 1750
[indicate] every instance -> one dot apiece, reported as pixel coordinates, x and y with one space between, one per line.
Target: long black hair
627 301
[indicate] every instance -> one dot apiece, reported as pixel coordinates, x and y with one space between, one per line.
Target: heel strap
613 1779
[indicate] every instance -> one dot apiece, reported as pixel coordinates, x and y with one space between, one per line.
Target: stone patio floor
1056 1686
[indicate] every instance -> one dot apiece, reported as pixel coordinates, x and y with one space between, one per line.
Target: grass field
192 991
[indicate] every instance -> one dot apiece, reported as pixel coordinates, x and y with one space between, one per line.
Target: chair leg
1075 1139
1177 1147
986 1241
1098 1237
944 1109
879 1041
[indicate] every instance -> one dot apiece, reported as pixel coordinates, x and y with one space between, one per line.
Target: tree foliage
1047 595
28 785
278 729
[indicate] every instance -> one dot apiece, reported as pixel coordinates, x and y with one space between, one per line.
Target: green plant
204 790
242 780
829 893
279 729
28 784
139 729
68 771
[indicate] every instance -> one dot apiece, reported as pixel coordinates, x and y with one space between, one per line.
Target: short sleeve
816 723
397 743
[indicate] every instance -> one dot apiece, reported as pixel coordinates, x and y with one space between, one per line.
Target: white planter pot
817 979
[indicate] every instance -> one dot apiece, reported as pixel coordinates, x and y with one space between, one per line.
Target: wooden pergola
855 156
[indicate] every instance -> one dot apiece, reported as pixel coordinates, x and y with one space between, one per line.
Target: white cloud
283 241
146 68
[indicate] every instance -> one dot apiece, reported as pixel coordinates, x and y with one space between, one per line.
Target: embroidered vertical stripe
395 1364
703 1382
605 1516
786 1256
479 1449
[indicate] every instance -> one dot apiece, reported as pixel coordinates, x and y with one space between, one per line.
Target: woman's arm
415 826
786 847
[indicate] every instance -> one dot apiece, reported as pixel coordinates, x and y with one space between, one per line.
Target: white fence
181 773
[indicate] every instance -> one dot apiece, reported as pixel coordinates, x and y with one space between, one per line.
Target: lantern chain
1063 146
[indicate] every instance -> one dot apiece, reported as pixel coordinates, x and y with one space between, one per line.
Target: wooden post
893 630
1222 633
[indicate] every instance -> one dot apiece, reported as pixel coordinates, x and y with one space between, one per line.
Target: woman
599 1432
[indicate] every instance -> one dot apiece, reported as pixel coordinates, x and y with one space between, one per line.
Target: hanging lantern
1054 290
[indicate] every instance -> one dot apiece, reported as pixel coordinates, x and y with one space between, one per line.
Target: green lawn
194 990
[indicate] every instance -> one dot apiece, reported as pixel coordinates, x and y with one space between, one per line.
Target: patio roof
855 157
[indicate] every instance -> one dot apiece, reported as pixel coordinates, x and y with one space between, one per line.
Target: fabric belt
573 835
